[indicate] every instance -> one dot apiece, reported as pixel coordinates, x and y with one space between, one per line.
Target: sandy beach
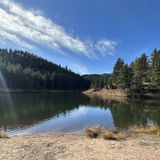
78 147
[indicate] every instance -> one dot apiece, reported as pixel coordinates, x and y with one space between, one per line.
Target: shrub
3 135
111 135
94 132
120 135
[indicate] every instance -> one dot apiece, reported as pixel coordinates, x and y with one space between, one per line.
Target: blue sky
86 35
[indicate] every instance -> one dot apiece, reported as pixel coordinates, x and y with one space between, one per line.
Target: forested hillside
22 70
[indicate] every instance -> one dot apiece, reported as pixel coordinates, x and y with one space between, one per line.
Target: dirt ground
78 147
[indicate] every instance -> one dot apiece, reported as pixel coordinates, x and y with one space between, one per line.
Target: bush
120 135
3 135
111 135
93 132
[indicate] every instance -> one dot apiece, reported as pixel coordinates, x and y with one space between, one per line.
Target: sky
88 36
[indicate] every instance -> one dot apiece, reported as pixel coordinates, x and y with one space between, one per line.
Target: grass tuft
153 129
111 135
3 135
120 135
94 132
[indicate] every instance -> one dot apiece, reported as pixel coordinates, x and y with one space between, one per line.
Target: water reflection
6 99
132 112
33 108
72 112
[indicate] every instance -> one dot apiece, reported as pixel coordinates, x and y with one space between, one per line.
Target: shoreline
71 147
117 94
106 92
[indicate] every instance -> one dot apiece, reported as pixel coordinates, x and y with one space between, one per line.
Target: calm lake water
24 114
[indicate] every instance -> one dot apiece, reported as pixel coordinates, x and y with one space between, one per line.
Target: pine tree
124 77
155 68
117 71
140 68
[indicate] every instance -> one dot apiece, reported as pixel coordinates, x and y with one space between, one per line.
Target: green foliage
140 70
155 67
100 83
117 72
22 70
143 75
121 76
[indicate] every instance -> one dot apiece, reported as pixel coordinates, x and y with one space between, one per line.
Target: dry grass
94 132
111 135
3 135
120 135
153 129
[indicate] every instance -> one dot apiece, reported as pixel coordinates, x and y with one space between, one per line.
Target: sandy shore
79 147
107 94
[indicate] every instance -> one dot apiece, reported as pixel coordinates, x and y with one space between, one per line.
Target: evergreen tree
155 68
117 72
140 68
124 77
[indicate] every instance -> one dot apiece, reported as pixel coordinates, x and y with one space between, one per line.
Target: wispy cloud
14 39
23 26
106 46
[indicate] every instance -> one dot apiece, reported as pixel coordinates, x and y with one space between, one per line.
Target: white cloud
14 39
106 46
21 25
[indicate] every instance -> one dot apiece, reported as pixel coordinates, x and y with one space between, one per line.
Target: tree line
142 75
23 70
100 82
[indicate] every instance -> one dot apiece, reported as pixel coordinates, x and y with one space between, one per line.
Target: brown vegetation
111 135
94 132
153 129
3 135
119 135
107 92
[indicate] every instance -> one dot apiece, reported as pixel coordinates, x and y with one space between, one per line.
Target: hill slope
22 70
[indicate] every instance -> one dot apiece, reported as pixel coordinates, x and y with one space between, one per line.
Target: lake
36 113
